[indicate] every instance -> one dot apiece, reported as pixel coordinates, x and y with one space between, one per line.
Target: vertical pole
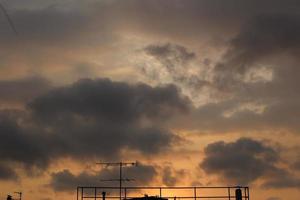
195 193
95 193
125 193
120 180
103 195
160 192
82 193
228 193
77 192
248 193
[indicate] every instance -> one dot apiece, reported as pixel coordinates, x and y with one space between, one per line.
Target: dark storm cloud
90 119
264 36
19 144
246 160
240 162
66 181
113 101
22 90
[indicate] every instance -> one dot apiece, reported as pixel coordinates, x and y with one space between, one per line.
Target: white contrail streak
9 19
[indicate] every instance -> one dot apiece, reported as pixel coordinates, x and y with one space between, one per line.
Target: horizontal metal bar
201 197
183 197
155 187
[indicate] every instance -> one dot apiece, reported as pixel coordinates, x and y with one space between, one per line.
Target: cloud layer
91 119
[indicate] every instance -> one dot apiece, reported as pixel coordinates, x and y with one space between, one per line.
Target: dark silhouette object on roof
146 197
238 194
9 197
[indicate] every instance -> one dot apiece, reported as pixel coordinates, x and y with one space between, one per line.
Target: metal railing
226 193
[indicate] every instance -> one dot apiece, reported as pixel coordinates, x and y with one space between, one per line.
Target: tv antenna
120 165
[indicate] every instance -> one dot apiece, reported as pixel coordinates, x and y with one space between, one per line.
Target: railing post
125 193
195 193
160 192
228 193
95 193
248 193
77 192
81 193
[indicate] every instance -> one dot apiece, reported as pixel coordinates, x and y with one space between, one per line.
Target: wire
11 23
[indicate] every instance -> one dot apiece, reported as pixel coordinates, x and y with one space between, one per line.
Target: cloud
281 179
273 198
246 160
14 137
170 176
91 119
66 181
240 162
6 173
175 64
170 55
296 165
255 83
20 91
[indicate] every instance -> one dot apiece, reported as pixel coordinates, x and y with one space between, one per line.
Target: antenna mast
120 165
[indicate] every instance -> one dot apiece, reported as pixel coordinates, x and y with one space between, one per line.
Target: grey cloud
66 181
245 161
269 41
20 145
91 119
239 162
176 64
170 176
280 179
265 35
6 173
20 91
170 55
115 101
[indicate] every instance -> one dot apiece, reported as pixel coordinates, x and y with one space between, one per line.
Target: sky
199 92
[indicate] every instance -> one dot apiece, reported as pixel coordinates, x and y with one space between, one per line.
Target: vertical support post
195 193
120 180
125 193
248 193
160 192
228 193
81 193
77 192
103 195
95 193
